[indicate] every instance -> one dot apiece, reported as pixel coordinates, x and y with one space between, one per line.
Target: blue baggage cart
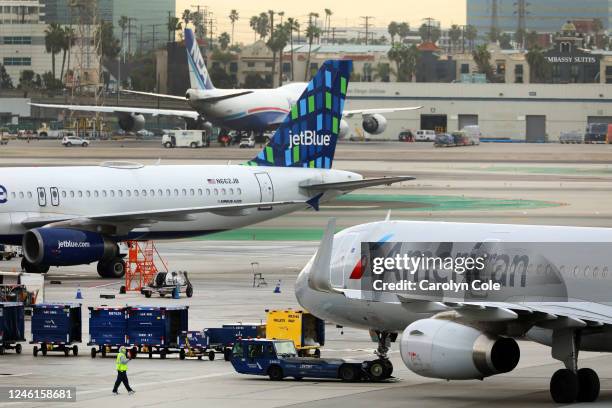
222 338
156 330
56 327
12 330
107 329
195 344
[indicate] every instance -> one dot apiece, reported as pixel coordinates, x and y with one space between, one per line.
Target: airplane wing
157 95
366 112
347 186
133 219
191 114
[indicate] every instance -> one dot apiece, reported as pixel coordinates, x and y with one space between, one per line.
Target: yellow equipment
306 330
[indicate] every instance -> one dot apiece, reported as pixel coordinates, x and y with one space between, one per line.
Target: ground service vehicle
305 330
406 136
185 138
425 135
247 141
165 283
278 359
571 138
222 339
444 140
3 140
195 344
596 133
7 252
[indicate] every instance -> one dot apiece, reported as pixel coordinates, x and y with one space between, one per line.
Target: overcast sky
345 12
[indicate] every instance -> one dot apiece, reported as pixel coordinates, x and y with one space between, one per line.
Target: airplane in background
249 110
552 293
76 215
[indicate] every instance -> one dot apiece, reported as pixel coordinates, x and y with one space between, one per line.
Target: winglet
319 274
315 201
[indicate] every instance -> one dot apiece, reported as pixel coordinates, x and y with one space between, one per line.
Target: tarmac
536 184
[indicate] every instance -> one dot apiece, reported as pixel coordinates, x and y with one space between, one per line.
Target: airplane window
604 272
95 193
184 191
80 194
128 193
239 191
199 191
595 272
88 193
120 193
586 271
64 194
576 271
216 191
103 193
136 193
208 191
21 194
562 270
144 193
29 194
152 193
13 195
112 193
231 191
168 192
176 193
71 194
160 192
223 191
192 192
540 268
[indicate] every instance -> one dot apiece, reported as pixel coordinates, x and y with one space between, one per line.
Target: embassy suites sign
572 59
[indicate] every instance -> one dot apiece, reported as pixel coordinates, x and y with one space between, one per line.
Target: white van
473 133
425 136
185 138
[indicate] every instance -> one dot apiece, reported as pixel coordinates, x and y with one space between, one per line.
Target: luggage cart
195 344
11 326
56 328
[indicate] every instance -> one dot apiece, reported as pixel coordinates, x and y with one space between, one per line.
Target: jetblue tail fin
308 135
198 75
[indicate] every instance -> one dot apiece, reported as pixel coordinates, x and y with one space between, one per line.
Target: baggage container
222 339
195 344
12 330
156 330
107 329
305 330
55 327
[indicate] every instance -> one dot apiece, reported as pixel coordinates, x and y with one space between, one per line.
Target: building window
465 68
609 74
500 67
518 73
18 61
233 67
251 64
17 40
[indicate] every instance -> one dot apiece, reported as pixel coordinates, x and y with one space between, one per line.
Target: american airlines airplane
554 286
76 215
251 110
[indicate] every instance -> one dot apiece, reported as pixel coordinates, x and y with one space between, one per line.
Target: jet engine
448 350
344 129
131 122
374 124
64 247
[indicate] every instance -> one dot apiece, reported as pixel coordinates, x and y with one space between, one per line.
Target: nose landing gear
382 368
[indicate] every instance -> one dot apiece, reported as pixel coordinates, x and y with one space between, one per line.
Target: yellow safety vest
120 366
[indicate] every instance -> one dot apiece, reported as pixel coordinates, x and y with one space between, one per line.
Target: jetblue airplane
554 288
76 215
255 110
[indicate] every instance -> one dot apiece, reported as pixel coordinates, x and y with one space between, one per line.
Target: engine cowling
438 348
374 124
131 122
344 129
64 247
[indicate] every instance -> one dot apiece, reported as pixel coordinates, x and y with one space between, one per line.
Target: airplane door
54 196
42 197
348 254
266 188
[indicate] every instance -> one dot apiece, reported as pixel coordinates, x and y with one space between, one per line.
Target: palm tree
292 25
403 30
277 44
597 28
124 21
531 39
174 25
68 40
471 33
538 65
482 58
393 30
410 57
254 23
54 39
383 72
454 34
270 43
187 16
233 16
224 40
261 25
395 55
328 14
312 32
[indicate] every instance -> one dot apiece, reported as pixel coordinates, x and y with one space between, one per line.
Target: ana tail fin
308 135
198 74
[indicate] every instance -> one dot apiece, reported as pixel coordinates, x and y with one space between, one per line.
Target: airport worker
121 364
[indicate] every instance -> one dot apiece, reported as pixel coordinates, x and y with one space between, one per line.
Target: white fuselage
587 276
32 192
260 110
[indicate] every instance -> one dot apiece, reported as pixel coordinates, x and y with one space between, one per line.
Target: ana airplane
76 215
554 286
255 110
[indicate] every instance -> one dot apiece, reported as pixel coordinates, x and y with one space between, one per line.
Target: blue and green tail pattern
308 135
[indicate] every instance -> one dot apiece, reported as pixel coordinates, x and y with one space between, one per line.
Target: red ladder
140 268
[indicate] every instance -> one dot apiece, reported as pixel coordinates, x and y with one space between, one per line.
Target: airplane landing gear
382 368
31 268
571 384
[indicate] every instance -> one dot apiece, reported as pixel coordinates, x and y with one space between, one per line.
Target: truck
185 138
278 359
305 330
